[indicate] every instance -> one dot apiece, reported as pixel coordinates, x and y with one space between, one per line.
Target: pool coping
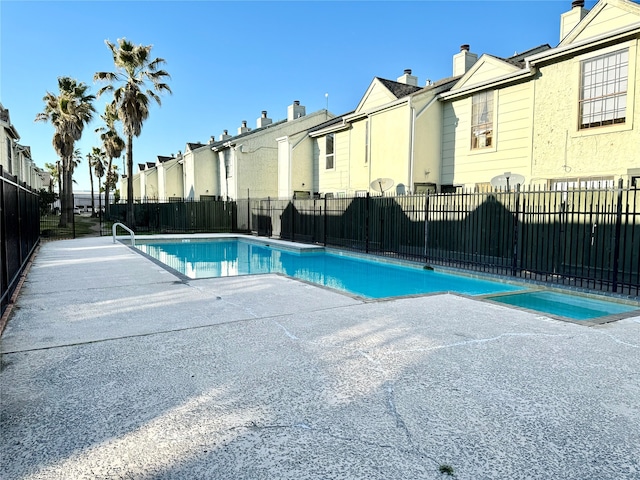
528 286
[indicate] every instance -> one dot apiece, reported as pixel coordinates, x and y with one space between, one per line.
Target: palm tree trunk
93 205
130 218
106 187
63 194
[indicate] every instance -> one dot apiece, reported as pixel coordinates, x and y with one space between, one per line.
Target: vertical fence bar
616 247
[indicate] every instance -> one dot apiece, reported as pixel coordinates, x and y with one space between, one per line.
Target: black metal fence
583 238
175 217
19 232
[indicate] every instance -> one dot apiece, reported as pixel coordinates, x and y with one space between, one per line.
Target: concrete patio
112 368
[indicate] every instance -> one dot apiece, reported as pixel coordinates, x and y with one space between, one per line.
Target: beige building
559 116
270 161
15 159
393 134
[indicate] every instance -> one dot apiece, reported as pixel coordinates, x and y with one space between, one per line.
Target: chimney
243 128
211 140
295 111
263 121
225 135
570 19
408 79
463 60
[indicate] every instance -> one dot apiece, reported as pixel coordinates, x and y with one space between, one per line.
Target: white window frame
330 158
483 120
604 83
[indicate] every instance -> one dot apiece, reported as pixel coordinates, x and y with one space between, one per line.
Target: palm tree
68 112
54 174
99 168
131 97
91 160
113 146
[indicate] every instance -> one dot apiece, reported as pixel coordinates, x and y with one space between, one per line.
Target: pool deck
112 367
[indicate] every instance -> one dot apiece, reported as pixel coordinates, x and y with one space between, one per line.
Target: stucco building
16 159
561 116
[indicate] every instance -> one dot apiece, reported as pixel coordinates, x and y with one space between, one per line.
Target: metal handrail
133 236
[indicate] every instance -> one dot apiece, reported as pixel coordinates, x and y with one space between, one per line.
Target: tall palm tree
113 146
68 112
91 160
131 95
99 169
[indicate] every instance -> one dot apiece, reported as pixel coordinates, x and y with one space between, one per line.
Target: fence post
366 223
292 220
73 215
514 262
616 249
270 223
324 239
426 227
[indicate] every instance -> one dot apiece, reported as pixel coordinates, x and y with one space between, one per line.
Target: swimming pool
351 274
574 307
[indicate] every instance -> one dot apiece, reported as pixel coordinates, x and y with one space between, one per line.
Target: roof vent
243 128
263 121
295 111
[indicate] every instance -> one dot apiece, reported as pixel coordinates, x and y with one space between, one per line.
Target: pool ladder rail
133 236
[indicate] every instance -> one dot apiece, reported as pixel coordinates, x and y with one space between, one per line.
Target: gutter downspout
412 136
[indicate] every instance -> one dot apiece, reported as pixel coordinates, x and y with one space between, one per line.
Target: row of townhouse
553 116
15 159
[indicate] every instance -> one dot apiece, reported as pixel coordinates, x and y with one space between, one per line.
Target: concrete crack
478 341
394 412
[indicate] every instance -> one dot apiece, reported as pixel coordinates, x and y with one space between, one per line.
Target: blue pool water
367 278
570 306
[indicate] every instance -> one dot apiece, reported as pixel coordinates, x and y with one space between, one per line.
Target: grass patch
84 226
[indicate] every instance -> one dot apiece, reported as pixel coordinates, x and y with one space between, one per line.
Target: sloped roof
519 58
162 158
398 89
328 123
193 146
250 132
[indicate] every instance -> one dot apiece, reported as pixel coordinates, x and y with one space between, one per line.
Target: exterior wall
149 178
376 96
560 149
137 190
486 70
207 178
389 134
254 166
170 180
607 20
427 143
296 172
357 164
511 150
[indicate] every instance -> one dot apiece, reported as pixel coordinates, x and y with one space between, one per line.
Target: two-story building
16 159
558 117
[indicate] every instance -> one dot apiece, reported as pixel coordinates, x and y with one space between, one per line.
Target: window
482 120
603 93
422 188
582 183
329 152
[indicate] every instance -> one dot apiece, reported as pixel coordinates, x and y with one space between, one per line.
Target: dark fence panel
583 238
19 232
211 216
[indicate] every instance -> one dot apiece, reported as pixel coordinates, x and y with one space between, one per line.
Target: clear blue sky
231 60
